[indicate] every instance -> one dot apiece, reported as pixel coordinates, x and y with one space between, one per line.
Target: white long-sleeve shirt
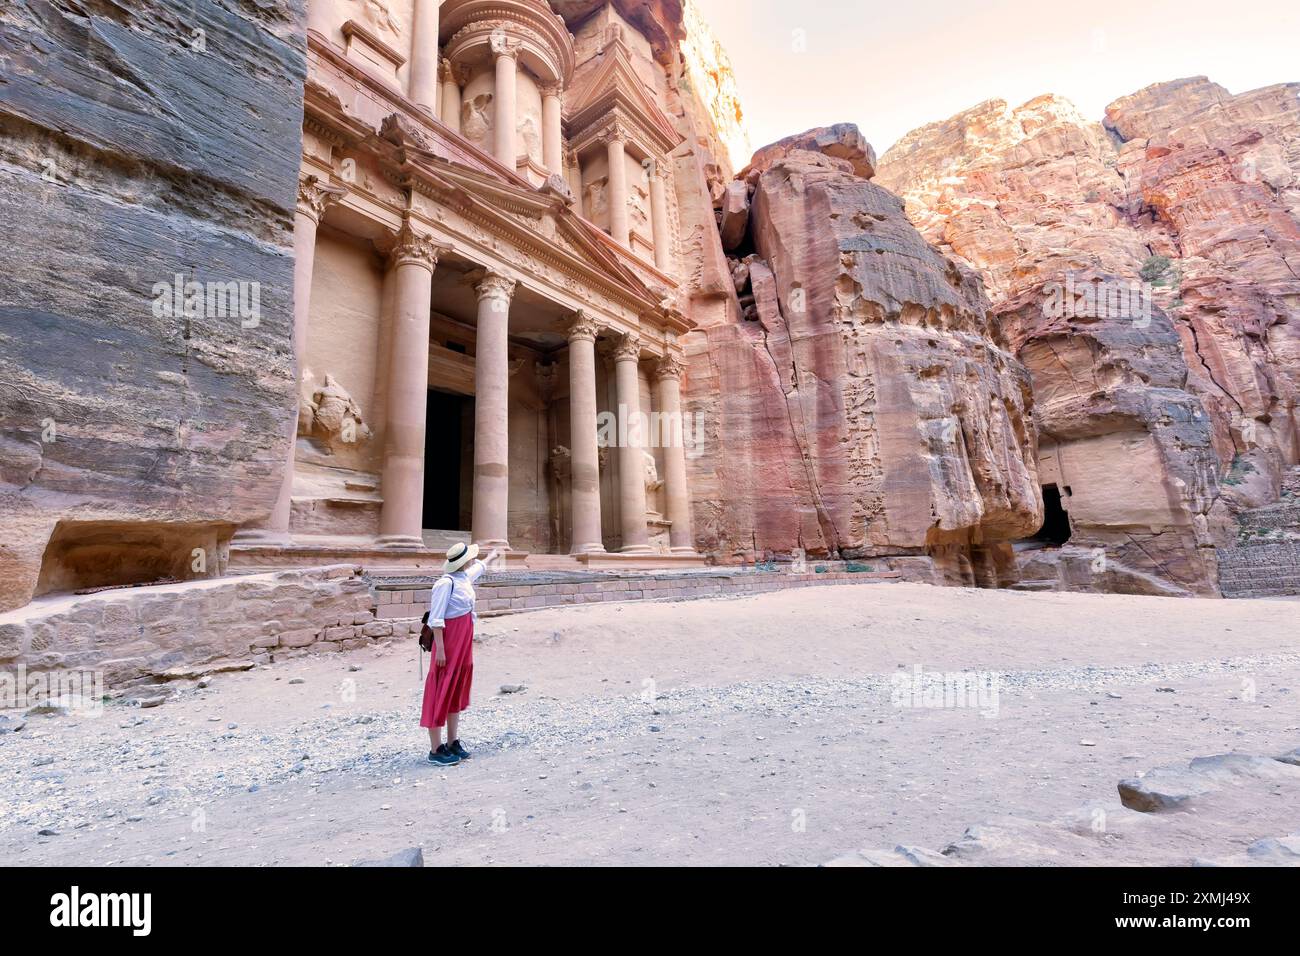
453 594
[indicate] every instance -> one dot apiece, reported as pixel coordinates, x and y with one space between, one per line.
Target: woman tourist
451 618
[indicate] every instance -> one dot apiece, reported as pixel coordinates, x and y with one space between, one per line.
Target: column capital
450 72
654 167
502 45
550 89
315 194
411 248
580 325
494 285
669 366
627 348
612 132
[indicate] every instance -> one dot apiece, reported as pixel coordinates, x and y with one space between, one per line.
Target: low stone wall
1264 569
133 635
404 600
1265 560
140 633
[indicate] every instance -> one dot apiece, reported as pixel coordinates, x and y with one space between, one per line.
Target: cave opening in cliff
1056 520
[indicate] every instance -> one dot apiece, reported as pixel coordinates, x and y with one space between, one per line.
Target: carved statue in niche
333 417
597 197
476 119
652 480
559 461
637 208
378 14
530 136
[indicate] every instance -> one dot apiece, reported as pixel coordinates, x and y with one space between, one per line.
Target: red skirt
446 689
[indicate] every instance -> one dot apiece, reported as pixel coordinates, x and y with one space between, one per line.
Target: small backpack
426 632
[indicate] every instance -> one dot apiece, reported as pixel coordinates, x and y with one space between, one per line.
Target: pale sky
893 66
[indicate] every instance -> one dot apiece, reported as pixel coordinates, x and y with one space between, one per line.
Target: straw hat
459 555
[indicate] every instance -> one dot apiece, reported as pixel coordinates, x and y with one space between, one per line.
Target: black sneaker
443 757
458 750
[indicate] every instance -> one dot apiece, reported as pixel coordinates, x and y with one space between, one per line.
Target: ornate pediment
611 89
539 223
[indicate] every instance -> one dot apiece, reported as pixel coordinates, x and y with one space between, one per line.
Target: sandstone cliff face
866 405
1193 194
138 145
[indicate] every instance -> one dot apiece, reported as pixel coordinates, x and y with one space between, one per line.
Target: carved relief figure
378 14
530 136
476 120
333 416
637 207
597 197
652 480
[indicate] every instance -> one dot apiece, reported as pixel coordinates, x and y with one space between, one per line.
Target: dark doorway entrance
448 461
1056 521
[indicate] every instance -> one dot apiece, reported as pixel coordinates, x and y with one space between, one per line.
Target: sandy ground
761 730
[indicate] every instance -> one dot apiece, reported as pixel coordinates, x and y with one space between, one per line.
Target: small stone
11 725
406 858
296 680
1087 743
513 688
47 831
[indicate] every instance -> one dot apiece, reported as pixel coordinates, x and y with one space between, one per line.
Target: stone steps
509 592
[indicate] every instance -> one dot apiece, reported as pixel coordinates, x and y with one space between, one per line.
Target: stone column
492 412
552 129
618 218
450 114
631 443
584 455
659 219
668 374
424 57
413 258
314 196
504 120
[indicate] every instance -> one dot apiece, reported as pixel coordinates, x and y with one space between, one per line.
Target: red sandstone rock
872 408
1183 172
734 214
843 141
